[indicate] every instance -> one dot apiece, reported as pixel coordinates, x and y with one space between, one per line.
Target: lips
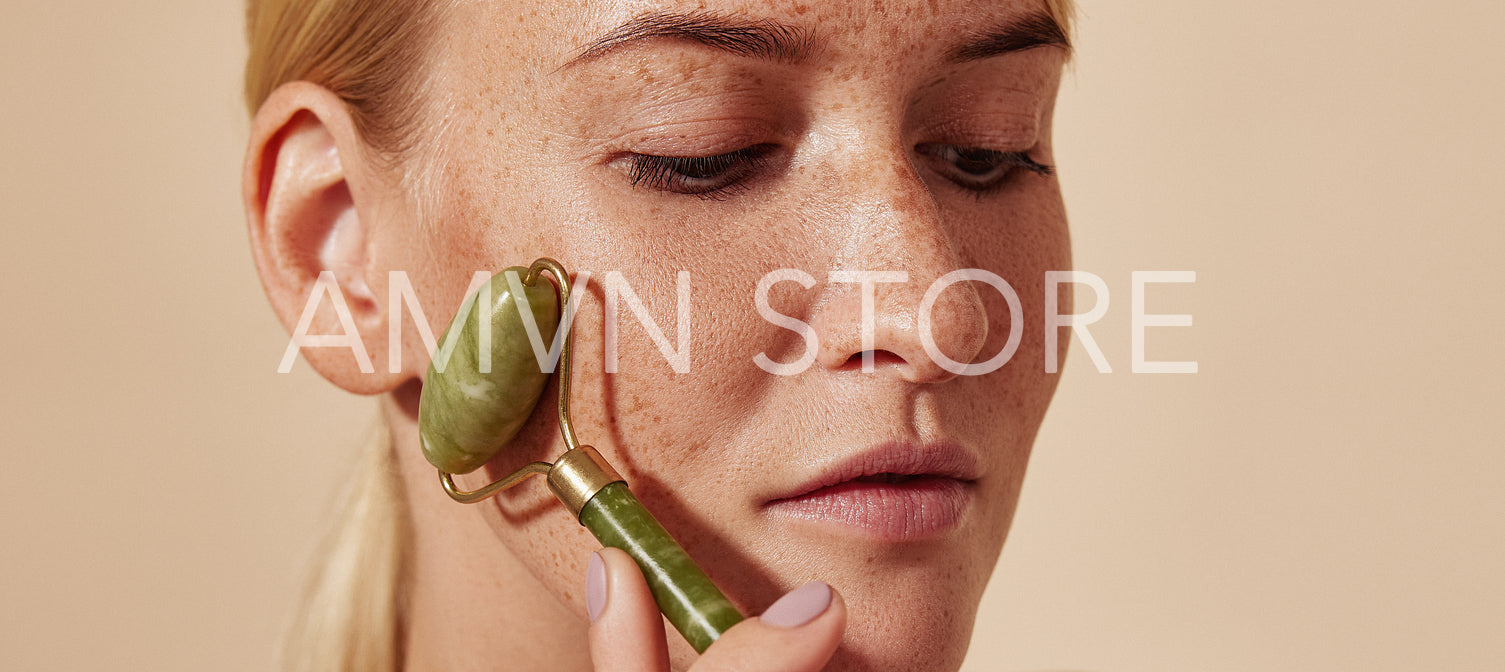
894 492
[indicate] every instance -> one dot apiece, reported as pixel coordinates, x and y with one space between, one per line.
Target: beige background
1328 493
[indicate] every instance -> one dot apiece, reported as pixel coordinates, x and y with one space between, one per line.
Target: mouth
893 492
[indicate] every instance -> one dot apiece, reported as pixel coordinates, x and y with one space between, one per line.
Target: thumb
798 633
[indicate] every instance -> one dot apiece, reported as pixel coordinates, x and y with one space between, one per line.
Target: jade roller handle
683 592
586 484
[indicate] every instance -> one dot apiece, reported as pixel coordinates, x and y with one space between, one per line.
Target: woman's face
901 137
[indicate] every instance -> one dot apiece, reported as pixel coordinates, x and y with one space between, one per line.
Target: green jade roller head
476 403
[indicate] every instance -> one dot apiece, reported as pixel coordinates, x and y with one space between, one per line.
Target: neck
470 603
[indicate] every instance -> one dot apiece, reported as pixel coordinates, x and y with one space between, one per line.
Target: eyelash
728 172
723 175
1004 164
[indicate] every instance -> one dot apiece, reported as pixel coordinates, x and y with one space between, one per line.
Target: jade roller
475 405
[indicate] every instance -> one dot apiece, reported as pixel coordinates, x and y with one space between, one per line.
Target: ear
309 188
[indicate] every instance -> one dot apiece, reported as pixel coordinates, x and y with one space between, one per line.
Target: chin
929 635
910 606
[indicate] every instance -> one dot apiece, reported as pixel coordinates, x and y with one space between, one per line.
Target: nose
893 245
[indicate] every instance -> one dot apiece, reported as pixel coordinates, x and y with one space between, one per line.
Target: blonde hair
1064 12
351 616
370 53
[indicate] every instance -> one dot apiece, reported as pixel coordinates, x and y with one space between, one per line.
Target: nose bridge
884 207
891 227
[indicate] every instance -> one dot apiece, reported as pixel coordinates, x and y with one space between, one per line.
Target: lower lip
916 509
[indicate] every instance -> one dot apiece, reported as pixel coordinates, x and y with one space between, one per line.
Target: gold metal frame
580 472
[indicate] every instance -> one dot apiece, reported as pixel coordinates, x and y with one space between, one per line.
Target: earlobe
303 186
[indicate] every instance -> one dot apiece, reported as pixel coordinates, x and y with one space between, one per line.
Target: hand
797 634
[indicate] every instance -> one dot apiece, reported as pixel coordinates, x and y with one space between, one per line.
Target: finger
626 633
797 634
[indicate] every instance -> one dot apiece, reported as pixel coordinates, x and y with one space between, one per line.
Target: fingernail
799 607
595 586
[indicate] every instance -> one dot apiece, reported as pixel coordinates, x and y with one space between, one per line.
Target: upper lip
942 459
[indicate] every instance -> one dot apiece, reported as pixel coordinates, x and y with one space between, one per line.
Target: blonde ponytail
351 616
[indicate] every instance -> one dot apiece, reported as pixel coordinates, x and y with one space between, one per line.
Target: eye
713 177
978 169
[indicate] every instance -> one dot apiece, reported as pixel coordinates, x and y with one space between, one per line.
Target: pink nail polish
799 607
595 586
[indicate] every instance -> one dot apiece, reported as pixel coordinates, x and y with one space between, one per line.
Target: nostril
881 358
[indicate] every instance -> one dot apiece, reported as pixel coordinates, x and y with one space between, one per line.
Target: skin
525 159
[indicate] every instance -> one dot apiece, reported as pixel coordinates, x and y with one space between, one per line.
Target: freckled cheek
1019 237
722 381
1021 246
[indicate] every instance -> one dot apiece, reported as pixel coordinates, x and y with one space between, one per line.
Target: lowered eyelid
1000 131
704 137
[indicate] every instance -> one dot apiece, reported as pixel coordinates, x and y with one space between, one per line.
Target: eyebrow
776 41
756 38
1029 32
